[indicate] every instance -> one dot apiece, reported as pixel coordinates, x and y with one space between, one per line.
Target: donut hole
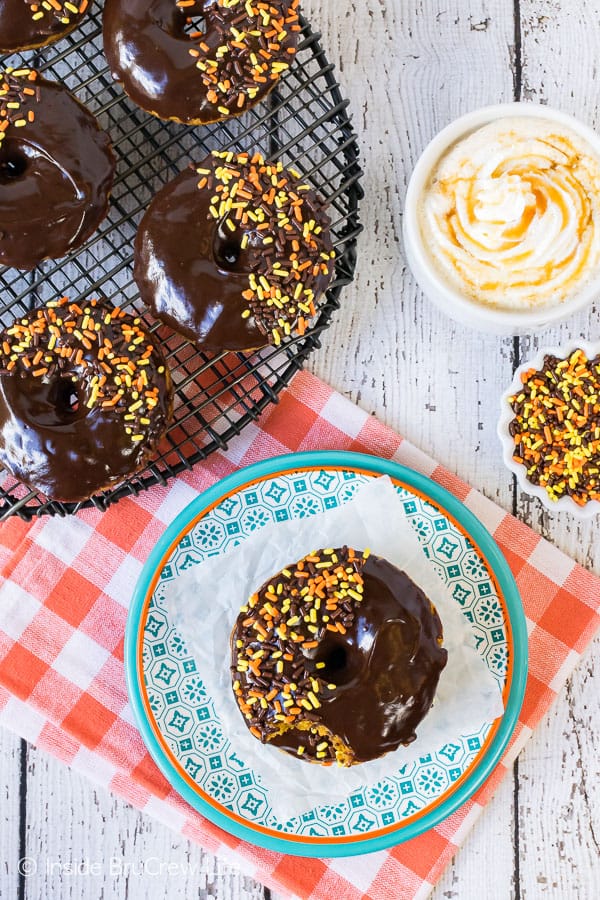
193 21
238 250
67 400
65 397
338 667
13 162
194 27
228 254
227 250
57 403
336 661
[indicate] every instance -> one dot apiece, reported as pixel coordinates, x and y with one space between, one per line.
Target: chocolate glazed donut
337 658
56 170
234 253
28 24
85 397
204 76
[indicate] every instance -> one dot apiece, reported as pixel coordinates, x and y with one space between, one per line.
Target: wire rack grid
304 123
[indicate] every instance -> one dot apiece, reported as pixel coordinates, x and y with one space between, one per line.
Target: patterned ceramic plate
176 715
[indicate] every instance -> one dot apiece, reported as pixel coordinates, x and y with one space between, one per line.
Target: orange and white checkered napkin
65 589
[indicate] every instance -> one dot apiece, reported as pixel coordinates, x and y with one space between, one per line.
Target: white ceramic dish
565 504
450 301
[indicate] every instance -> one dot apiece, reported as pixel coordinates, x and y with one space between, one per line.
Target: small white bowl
565 504
452 302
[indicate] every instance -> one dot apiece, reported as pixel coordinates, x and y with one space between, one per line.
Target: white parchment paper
205 603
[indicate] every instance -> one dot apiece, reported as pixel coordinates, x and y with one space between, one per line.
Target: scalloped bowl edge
565 504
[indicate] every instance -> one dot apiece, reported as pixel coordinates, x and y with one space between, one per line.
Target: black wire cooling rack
304 123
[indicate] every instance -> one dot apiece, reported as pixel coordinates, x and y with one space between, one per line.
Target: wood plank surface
558 795
559 772
389 349
10 813
85 843
409 67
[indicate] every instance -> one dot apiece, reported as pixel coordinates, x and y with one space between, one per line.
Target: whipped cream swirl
511 214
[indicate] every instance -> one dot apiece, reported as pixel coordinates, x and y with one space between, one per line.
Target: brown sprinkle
256 36
89 343
556 427
254 197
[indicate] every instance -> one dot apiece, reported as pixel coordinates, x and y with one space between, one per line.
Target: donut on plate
56 170
85 397
234 253
337 658
176 71
29 24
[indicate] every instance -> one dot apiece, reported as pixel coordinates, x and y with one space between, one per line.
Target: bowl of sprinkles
550 428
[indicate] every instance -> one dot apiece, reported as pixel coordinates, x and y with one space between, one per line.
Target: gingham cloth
65 589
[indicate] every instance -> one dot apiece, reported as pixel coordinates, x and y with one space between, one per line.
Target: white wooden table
409 67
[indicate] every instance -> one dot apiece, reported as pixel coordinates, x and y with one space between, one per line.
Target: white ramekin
565 504
452 302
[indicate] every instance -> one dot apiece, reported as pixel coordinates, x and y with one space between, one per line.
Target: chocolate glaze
179 277
386 667
55 178
148 51
53 442
19 31
192 272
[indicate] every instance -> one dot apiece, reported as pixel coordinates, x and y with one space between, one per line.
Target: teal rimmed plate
176 716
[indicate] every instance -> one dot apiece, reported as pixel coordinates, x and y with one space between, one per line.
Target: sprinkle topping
556 428
52 10
255 41
278 680
268 207
98 347
17 86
